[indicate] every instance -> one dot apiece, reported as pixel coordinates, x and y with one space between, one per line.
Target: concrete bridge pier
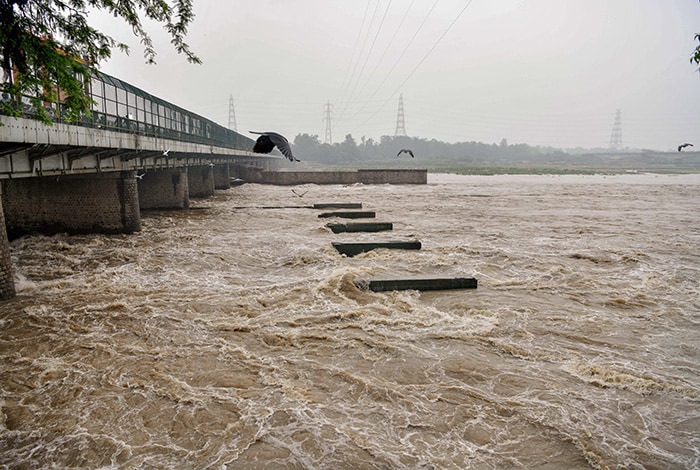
222 176
200 180
79 203
7 283
164 189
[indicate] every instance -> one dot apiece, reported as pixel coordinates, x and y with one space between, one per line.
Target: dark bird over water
408 151
269 140
682 146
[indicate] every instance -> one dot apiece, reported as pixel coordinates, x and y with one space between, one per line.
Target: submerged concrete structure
360 227
352 249
383 285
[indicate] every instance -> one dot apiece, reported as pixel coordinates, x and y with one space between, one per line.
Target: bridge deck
31 148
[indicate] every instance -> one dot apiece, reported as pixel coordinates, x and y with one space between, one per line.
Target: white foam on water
235 336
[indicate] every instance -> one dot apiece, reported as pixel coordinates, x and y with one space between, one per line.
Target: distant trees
48 47
427 152
696 55
348 150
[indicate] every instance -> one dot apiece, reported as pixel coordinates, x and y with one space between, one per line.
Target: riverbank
659 163
551 170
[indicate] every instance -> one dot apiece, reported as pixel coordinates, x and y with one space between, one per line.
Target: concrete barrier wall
7 284
393 176
246 173
289 178
90 203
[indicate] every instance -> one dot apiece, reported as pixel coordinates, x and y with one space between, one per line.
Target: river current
233 336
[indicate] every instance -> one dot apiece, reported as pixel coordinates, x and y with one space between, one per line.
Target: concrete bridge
134 152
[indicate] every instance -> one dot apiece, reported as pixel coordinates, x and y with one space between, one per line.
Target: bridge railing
122 107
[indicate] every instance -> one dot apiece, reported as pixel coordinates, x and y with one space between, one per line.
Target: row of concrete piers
109 202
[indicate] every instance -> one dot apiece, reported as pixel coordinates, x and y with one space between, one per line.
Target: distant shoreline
548 178
522 169
552 170
667 163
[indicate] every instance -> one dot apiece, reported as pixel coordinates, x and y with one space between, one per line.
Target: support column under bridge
164 189
7 284
85 203
222 177
200 180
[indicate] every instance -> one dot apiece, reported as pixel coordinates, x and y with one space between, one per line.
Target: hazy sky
541 72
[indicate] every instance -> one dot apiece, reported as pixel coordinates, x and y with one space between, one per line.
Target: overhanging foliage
49 49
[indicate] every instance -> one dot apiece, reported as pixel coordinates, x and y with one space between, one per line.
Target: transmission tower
231 115
327 119
616 134
400 122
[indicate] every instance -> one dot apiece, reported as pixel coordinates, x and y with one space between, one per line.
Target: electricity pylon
616 134
400 121
231 114
327 119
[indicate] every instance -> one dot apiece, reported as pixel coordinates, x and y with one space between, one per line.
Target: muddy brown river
232 336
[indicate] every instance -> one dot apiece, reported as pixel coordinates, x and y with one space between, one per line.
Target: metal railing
122 107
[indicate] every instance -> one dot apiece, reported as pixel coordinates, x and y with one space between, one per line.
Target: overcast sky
540 72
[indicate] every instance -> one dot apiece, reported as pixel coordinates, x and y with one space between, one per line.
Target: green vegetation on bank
478 158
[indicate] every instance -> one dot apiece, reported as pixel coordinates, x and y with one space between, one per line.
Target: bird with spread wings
269 140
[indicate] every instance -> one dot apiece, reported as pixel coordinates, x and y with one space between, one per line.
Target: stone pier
200 180
222 177
89 203
164 189
7 284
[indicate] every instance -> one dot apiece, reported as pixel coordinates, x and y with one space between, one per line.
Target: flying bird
408 151
269 140
300 194
682 146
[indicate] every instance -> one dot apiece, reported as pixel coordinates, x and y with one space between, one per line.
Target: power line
388 46
408 45
364 42
354 48
423 59
369 53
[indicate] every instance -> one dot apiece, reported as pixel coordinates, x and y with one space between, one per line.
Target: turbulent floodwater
232 336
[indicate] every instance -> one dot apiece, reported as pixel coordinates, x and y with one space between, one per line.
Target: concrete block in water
382 285
338 205
349 214
360 227
352 249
